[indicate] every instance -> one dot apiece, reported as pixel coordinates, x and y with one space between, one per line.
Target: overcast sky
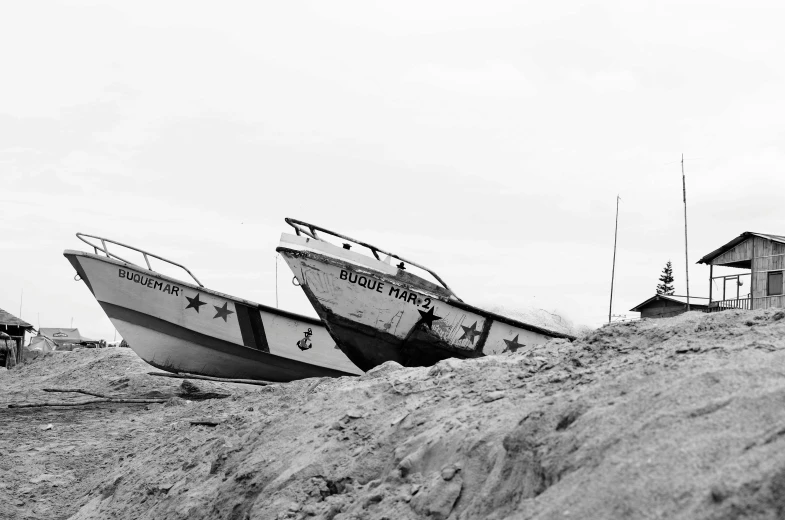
486 140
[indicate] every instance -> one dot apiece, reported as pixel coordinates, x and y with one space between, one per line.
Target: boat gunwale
271 310
457 303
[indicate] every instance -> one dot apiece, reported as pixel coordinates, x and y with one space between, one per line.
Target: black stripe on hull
251 327
266 366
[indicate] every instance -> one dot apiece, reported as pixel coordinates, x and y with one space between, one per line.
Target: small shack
760 260
66 338
15 328
666 306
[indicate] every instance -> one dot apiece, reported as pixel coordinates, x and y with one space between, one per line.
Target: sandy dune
677 418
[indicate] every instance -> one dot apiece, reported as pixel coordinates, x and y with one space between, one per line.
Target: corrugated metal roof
6 318
738 240
678 299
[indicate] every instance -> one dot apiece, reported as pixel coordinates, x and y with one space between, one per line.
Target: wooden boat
377 311
184 327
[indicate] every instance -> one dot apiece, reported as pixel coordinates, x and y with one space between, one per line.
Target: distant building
761 259
666 306
15 328
63 337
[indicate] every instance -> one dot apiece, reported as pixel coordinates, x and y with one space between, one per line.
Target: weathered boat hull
377 313
181 327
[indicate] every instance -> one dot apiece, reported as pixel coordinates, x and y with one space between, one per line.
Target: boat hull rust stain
375 315
196 330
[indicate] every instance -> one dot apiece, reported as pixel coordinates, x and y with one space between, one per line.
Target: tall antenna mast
276 280
613 272
686 259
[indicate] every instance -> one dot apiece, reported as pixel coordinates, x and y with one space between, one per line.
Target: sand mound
675 418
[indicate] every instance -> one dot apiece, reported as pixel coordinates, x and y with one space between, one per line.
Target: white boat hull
182 327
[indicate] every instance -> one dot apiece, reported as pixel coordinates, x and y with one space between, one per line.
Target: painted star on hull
194 303
222 312
470 333
513 345
428 318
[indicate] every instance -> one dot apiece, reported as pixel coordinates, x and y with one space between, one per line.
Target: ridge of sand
674 418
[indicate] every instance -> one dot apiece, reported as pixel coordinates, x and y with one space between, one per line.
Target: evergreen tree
666 287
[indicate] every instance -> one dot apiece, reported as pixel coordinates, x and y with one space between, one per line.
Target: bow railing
105 250
310 230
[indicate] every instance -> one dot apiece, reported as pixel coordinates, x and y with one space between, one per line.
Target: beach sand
674 418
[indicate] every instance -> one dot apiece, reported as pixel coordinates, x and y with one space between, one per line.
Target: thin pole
686 259
613 272
276 281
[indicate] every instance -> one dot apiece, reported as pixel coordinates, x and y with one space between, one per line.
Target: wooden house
761 261
15 328
666 306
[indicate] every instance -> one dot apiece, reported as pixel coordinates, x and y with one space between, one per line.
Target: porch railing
724 305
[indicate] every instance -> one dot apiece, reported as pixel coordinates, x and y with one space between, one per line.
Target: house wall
769 256
739 253
17 334
667 309
8 353
663 309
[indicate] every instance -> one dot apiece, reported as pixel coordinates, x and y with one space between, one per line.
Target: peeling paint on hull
181 327
376 313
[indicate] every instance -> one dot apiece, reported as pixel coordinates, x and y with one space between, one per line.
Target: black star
194 303
469 333
428 317
513 345
222 312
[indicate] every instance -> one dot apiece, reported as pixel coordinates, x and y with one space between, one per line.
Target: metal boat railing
301 227
83 237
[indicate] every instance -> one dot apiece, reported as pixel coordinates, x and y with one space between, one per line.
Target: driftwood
210 378
79 391
103 399
392 384
117 398
205 422
315 384
81 403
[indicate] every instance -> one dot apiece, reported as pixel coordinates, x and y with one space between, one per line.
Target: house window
774 286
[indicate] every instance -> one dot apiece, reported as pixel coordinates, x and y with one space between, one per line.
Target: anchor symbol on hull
305 343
